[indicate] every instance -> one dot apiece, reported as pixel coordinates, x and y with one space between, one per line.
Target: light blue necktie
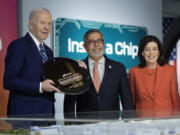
43 53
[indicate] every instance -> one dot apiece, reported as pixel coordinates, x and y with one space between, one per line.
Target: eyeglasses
92 42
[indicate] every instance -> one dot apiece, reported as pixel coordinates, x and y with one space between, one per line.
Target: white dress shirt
101 67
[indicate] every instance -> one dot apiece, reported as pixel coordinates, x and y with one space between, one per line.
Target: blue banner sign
121 41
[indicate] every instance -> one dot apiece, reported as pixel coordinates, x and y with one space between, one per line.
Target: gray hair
34 11
85 38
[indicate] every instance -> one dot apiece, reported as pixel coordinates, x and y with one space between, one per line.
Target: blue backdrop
121 41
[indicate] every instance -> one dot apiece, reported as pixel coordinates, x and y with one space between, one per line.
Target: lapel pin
110 67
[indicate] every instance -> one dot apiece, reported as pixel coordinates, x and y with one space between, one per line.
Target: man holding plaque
109 81
29 92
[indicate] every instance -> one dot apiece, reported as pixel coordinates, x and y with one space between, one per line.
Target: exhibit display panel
94 123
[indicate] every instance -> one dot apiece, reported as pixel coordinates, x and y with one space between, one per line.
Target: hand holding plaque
67 75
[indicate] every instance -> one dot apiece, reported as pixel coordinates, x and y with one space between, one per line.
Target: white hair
34 11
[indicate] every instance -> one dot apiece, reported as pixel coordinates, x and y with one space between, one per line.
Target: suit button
98 97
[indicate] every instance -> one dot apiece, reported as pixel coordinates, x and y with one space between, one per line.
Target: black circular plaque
67 75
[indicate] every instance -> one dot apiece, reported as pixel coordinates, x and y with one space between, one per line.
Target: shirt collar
35 40
101 61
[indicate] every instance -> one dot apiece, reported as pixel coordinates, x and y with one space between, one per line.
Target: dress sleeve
174 92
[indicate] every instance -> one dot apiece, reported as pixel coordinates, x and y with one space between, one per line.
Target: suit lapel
93 88
152 93
34 47
47 52
107 70
144 79
157 78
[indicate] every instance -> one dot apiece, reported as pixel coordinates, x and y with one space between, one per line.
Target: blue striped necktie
43 53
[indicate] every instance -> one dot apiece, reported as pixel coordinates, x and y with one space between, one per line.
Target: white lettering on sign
75 46
119 48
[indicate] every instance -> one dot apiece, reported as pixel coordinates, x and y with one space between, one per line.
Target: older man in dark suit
29 93
109 81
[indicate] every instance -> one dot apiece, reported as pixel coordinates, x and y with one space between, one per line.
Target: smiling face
151 54
40 25
95 45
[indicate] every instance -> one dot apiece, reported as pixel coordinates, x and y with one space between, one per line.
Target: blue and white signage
121 41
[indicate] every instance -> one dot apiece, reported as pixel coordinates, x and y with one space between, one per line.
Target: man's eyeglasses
92 42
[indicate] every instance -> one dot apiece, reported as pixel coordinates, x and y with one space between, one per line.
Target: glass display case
94 123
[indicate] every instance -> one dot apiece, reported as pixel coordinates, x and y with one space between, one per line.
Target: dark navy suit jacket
115 84
23 74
